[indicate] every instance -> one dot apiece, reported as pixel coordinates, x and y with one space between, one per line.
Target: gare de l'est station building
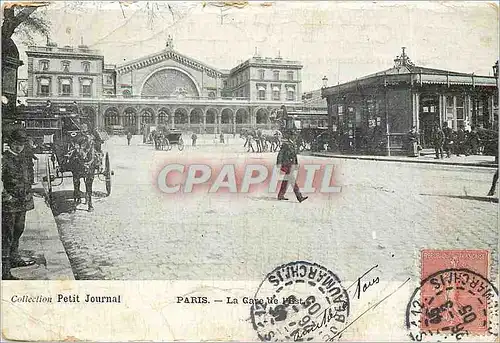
166 87
374 113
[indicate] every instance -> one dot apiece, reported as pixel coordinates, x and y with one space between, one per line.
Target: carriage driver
17 199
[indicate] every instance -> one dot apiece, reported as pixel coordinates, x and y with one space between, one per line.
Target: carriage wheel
166 145
180 145
49 182
301 145
107 174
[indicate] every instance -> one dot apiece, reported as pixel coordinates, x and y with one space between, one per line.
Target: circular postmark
451 304
300 301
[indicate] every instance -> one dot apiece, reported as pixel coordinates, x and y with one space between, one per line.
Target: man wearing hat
17 199
287 157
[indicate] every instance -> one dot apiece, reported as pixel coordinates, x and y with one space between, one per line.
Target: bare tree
22 20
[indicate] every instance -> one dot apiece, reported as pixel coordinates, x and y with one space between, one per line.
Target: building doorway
428 116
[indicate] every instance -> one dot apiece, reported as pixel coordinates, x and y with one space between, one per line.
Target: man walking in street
17 199
129 137
194 137
448 140
287 158
438 138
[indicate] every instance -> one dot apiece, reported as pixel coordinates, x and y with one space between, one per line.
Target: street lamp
495 70
325 81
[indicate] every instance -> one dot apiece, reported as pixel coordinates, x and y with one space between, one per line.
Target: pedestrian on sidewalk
460 141
129 137
448 139
495 177
194 137
222 137
287 158
438 138
17 199
47 110
474 141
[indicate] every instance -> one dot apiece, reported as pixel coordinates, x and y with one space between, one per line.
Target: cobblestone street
384 215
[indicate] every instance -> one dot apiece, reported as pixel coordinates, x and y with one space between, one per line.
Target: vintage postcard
250 171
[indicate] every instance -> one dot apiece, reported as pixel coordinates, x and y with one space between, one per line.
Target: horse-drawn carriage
164 138
63 136
313 138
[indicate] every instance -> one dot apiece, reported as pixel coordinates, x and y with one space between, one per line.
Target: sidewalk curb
42 236
386 159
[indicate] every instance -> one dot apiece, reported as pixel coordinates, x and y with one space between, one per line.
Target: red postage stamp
455 297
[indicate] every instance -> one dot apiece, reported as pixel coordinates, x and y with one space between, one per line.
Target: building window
290 94
86 88
261 74
86 66
65 66
109 80
276 93
261 95
225 84
126 93
276 75
44 65
65 87
44 87
460 111
289 75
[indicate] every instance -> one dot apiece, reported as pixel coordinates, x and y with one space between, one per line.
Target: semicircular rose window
169 83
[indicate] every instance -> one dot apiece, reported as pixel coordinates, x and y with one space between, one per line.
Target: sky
340 40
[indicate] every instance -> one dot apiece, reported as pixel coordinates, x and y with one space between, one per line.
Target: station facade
163 88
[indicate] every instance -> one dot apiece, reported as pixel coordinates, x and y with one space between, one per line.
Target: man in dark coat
47 110
448 139
287 157
495 177
438 139
460 141
17 199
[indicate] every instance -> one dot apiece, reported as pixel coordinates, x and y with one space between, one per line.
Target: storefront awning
262 88
276 89
86 82
65 82
44 82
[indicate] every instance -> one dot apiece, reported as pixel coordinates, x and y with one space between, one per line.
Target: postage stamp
300 301
455 298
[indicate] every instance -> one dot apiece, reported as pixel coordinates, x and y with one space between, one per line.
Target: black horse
82 159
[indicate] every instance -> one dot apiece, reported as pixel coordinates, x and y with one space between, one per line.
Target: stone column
120 116
172 121
416 114
219 123
234 122
156 114
139 120
491 110
204 121
467 109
